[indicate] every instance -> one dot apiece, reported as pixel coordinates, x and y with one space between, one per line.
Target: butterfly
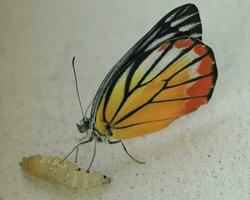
168 73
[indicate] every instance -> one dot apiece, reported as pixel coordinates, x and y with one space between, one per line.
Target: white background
205 155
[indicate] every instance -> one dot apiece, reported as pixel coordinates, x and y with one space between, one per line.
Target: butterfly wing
182 21
166 74
173 80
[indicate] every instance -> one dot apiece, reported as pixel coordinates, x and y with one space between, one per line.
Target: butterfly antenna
88 107
77 90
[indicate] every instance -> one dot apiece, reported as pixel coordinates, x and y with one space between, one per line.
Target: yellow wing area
175 79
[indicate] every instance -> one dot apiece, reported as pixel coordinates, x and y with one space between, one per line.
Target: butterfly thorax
85 126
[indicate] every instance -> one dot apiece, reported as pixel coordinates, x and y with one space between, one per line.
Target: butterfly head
84 125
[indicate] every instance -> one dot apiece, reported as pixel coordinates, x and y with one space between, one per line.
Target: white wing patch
170 17
195 35
188 27
184 10
178 21
160 40
171 55
151 37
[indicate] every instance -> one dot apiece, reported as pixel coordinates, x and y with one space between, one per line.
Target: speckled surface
205 155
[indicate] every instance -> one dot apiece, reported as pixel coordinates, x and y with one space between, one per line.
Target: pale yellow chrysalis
66 173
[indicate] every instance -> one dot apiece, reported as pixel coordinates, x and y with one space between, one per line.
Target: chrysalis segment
66 173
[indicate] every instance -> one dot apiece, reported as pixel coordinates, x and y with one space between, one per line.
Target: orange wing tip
163 46
206 65
183 43
193 104
201 87
200 49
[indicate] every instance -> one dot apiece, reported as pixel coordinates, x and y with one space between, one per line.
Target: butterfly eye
80 128
83 126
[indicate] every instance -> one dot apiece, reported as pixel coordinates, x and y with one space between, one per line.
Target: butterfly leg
125 149
93 157
76 149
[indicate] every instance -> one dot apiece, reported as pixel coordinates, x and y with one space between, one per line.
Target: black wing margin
182 21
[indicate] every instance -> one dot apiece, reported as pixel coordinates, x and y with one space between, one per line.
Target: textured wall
205 155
